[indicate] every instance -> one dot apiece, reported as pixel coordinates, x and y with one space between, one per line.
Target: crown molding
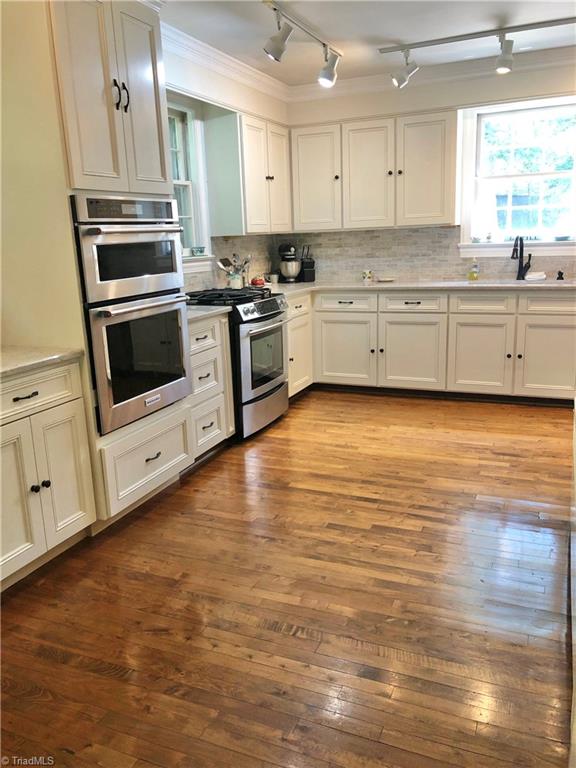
156 5
549 58
181 44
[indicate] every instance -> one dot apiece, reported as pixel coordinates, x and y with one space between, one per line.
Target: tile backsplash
424 253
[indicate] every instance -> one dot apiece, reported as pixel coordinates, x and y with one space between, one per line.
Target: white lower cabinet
143 460
480 353
209 424
47 493
345 344
545 357
299 354
23 537
412 350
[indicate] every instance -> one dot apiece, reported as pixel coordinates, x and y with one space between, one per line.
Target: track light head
505 61
276 45
401 78
327 75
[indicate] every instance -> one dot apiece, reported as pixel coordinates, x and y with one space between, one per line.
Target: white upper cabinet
368 174
279 181
254 143
426 169
316 180
266 158
90 94
109 64
139 53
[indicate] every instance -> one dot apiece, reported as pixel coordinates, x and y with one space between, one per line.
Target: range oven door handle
130 310
114 229
258 331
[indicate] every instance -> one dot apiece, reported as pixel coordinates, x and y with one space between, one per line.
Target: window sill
193 265
499 250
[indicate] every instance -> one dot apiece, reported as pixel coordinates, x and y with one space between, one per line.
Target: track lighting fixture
276 45
327 76
505 61
400 79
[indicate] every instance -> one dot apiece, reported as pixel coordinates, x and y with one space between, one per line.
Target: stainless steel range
259 353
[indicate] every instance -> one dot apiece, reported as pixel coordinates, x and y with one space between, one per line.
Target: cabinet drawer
25 395
483 302
558 303
207 375
209 424
408 302
137 464
351 302
299 306
204 334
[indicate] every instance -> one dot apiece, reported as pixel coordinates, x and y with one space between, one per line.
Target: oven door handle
130 310
119 230
257 331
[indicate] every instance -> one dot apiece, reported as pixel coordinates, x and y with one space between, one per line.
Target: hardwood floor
373 582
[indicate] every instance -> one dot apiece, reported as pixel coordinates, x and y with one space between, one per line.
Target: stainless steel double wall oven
131 265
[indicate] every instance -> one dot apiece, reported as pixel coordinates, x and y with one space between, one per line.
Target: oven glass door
140 358
263 356
120 262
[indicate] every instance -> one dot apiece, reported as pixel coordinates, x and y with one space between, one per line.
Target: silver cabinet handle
128 311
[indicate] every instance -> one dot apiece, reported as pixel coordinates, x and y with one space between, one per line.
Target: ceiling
357 28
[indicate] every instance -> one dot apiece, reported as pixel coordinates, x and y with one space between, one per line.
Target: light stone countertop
300 289
16 360
199 311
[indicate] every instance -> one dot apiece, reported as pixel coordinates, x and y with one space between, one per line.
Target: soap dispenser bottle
474 272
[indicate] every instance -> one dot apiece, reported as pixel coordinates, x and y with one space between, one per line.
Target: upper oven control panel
102 208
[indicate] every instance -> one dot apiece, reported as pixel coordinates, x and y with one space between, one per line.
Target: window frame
194 155
470 150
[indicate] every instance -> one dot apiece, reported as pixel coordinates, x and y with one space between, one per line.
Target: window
524 174
186 155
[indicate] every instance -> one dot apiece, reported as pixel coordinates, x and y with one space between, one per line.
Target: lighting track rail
498 32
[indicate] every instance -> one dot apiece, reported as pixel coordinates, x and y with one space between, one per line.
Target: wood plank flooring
371 583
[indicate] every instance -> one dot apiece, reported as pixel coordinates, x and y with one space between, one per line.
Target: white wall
191 69
40 295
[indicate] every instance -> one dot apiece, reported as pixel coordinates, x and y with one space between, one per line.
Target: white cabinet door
23 538
345 348
368 174
279 182
316 178
63 462
480 353
90 94
299 354
412 351
256 183
546 357
426 169
140 68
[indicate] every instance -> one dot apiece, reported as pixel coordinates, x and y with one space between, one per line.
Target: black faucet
518 253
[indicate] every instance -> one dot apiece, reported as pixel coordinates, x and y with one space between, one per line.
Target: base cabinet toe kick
499 343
